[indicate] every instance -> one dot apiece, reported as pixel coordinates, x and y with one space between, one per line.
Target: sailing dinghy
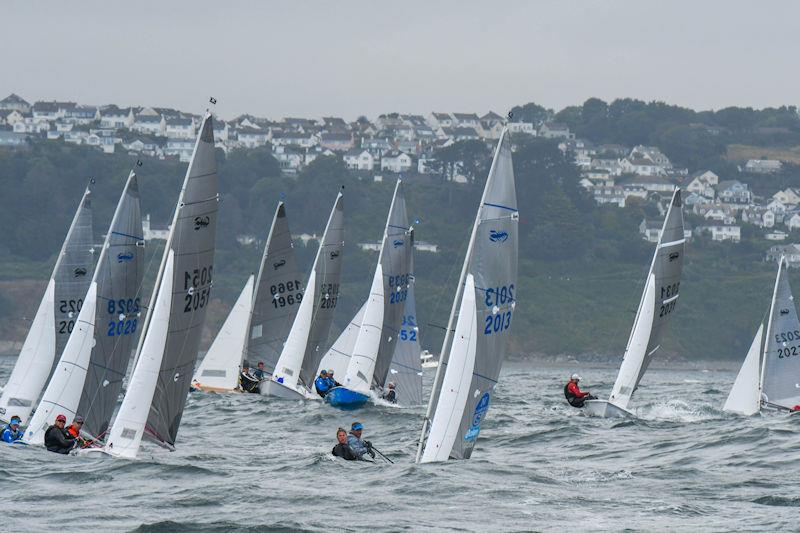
88 377
472 353
299 359
167 350
260 320
656 306
381 315
770 375
55 319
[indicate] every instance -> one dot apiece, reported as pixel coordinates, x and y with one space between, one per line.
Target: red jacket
573 388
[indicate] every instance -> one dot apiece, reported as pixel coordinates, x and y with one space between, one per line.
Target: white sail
637 348
63 393
219 370
129 426
287 371
34 363
359 371
455 389
338 357
744 397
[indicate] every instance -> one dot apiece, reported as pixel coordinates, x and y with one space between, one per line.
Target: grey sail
192 242
328 267
780 377
73 273
405 369
470 360
397 249
278 293
118 312
658 302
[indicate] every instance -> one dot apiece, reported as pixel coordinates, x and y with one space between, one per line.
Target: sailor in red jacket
575 396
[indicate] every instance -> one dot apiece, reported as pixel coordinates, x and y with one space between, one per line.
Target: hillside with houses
593 181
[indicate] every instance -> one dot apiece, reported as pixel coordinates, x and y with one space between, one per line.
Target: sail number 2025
197 285
497 296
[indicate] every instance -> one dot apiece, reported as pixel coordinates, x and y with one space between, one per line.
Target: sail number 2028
197 285
497 296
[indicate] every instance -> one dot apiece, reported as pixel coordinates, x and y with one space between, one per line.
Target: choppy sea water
249 463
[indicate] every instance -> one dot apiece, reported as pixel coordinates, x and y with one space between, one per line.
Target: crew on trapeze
391 393
325 382
12 431
575 396
247 382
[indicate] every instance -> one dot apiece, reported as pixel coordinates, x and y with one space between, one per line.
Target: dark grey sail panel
397 250
494 267
278 293
118 315
780 382
405 369
192 241
666 270
328 266
73 273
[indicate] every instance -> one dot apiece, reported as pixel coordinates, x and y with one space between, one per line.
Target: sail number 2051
197 285
496 296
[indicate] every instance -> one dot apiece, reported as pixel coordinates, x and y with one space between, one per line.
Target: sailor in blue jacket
322 384
359 446
12 432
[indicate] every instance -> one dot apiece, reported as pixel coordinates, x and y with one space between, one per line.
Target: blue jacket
357 445
322 385
331 382
9 435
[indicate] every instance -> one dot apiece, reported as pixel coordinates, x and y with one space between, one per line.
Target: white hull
606 409
278 390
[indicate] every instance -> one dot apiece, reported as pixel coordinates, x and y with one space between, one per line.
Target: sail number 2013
197 285
497 296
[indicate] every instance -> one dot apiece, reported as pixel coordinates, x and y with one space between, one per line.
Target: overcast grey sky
368 57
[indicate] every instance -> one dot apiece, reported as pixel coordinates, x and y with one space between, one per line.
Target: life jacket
568 393
72 431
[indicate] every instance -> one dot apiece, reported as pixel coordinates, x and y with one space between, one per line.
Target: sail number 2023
497 296
197 285
783 338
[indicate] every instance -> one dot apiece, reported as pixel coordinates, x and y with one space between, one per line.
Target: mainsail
656 306
780 368
278 294
405 370
54 319
88 377
297 365
482 313
158 388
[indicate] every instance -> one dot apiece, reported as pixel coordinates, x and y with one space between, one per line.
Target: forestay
780 375
483 322
168 351
278 294
658 302
54 319
88 377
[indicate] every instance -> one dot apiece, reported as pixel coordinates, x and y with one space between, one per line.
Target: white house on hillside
179 128
150 125
359 159
396 162
762 166
702 183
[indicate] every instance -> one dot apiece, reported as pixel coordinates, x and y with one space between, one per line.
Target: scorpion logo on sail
334 255
674 255
279 264
124 257
498 236
398 243
80 272
784 311
201 222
